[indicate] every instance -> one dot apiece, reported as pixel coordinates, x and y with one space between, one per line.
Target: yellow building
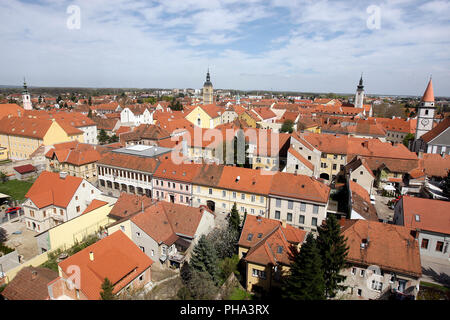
3 153
77 159
220 187
94 218
265 268
22 136
206 116
249 118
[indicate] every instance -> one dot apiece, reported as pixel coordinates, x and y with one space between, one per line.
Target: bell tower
425 112
26 98
359 97
208 90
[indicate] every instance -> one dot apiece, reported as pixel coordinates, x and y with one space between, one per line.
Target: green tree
113 138
408 138
305 280
333 251
446 186
3 177
234 220
102 137
89 115
204 258
288 126
186 273
107 290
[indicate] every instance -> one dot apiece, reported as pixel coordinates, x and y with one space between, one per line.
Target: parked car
12 209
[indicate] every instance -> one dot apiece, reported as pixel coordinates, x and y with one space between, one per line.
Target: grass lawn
239 294
15 188
431 291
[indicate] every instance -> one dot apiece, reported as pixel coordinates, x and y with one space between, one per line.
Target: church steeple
359 97
208 90
25 88
26 98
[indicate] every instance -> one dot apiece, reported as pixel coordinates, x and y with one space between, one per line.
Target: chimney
238 178
91 256
63 174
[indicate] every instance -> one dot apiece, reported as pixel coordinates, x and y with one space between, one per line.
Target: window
290 204
250 237
424 243
278 203
289 217
153 253
234 195
359 292
261 199
417 217
78 208
259 274
224 193
141 278
44 213
362 272
252 211
334 166
314 222
439 246
122 228
61 212
242 196
361 172
253 198
353 271
376 285
32 213
315 209
76 197
138 234
259 235
302 206
277 214
301 219
279 249
142 248
242 209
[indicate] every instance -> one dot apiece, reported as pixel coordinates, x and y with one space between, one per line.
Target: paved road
383 210
435 270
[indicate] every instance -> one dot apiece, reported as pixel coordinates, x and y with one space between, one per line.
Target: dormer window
280 249
417 218
250 237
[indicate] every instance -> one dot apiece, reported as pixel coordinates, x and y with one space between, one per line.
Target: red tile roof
437 130
428 95
25 168
116 257
11 109
267 235
30 283
390 247
50 189
165 222
129 204
435 220
95 204
299 187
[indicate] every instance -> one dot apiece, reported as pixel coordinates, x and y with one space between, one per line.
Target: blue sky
300 45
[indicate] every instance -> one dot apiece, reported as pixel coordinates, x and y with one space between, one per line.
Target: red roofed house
164 231
431 219
382 259
264 245
55 198
115 257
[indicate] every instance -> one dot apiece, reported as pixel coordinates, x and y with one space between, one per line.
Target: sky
295 45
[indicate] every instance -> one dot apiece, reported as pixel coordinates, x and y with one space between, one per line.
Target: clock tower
425 112
208 90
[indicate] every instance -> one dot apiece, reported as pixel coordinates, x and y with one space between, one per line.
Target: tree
446 185
186 273
113 138
102 137
305 281
201 286
90 101
408 138
288 126
224 241
204 258
234 220
107 290
3 177
89 115
333 252
3 235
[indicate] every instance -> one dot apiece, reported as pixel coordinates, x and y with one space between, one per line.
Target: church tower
208 90
359 97
425 112
26 98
